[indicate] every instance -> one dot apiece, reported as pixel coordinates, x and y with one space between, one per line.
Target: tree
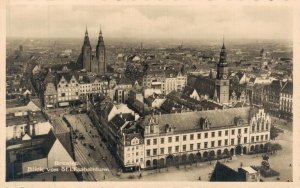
275 147
273 133
268 147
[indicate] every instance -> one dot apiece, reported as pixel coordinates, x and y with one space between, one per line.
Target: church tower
100 55
222 81
86 52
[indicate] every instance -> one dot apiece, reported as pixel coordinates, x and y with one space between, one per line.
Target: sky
179 22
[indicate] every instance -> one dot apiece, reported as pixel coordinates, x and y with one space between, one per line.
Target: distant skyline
150 22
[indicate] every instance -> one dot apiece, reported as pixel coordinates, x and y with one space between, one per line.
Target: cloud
151 21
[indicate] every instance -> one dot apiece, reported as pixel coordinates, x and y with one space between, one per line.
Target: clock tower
222 81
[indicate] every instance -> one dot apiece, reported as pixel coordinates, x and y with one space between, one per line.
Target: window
257 138
205 135
184 148
239 140
148 152
154 151
184 137
262 137
232 132
220 133
253 128
252 138
162 140
226 142
245 130
219 142
137 154
199 136
266 137
232 141
192 137
198 145
169 149
226 133
63 94
212 134
154 141
212 144
205 144
239 131
177 138
169 139
176 149
162 151
148 142
245 140
191 147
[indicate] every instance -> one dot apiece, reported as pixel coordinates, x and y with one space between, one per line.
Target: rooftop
190 120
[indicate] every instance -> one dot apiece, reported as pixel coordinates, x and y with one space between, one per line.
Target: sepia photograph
99 92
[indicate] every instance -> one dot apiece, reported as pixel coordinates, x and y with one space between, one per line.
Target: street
90 150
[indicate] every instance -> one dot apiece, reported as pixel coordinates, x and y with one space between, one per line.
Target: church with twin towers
93 61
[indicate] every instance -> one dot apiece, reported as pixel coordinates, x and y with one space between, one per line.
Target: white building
195 136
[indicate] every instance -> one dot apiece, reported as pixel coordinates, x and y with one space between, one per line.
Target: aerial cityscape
99 105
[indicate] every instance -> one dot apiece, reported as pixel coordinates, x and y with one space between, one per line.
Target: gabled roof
66 75
224 173
240 75
188 90
65 140
38 150
190 120
287 87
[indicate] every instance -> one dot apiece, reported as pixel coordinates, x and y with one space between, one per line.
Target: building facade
67 88
194 136
286 99
166 81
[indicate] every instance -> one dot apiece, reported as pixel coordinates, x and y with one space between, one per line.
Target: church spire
86 31
100 33
223 47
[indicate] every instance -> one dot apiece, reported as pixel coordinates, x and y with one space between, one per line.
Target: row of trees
272 148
